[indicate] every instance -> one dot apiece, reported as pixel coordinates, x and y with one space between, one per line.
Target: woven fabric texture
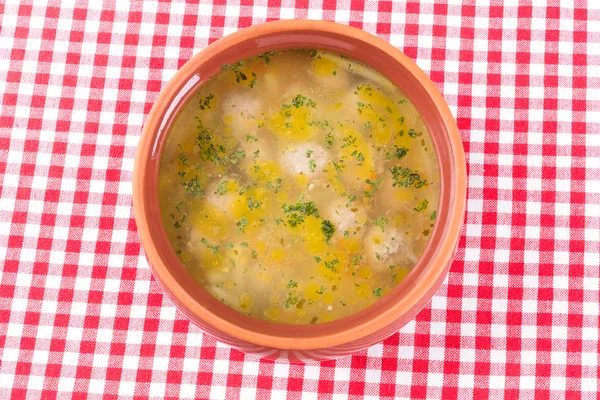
81 316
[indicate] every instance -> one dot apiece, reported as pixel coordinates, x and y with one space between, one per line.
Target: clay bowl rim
408 297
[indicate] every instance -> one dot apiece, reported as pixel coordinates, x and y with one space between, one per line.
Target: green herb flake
406 177
251 139
329 139
267 56
222 188
291 284
422 206
359 157
192 187
328 229
374 186
398 153
184 160
348 141
253 204
253 81
331 264
297 212
291 300
377 292
239 75
300 101
238 155
205 103
433 215
339 166
215 249
381 222
241 224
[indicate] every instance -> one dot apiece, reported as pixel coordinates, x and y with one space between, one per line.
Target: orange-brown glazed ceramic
348 334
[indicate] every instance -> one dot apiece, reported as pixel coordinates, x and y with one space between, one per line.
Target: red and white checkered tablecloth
518 316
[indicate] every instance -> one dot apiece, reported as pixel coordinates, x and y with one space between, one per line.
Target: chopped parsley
239 75
433 215
222 188
359 157
413 134
184 160
381 222
331 264
291 300
406 177
377 292
328 229
233 158
205 103
253 204
251 139
267 56
422 206
398 153
253 81
339 166
215 249
374 185
300 101
362 105
241 224
348 141
329 139
192 187
291 284
297 212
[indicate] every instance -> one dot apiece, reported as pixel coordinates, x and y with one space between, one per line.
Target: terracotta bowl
348 334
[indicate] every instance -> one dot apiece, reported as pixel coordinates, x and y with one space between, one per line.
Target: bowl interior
411 294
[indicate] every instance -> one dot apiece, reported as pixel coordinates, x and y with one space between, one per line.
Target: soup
298 186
